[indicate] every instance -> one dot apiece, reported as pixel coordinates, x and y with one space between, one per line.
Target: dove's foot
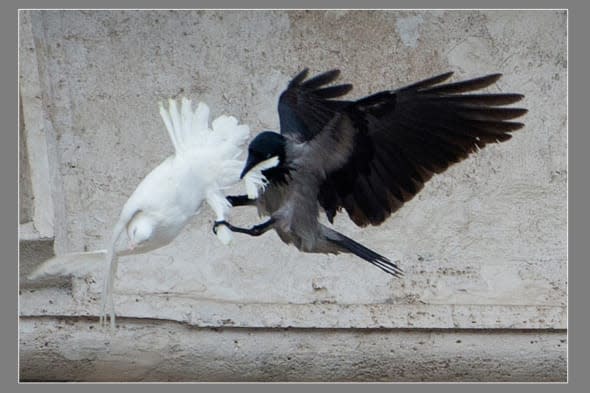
218 223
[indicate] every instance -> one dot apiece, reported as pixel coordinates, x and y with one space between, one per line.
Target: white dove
204 163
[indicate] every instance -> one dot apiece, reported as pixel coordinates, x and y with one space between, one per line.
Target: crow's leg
240 200
256 230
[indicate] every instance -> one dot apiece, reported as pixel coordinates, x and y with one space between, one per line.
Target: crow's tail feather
349 245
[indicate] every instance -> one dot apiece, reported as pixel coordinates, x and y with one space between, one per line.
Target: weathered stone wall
483 245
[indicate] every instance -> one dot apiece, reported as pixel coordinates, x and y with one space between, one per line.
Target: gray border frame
578 140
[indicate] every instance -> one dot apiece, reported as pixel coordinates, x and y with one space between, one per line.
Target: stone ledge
73 349
210 313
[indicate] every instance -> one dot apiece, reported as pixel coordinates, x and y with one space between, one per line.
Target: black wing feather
463 86
427 82
403 137
320 80
305 107
408 135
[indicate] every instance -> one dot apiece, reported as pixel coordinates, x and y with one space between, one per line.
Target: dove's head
139 230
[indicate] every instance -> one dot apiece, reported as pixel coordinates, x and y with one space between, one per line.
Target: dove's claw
218 223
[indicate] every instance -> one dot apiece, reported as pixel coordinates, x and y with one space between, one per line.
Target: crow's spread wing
403 137
305 107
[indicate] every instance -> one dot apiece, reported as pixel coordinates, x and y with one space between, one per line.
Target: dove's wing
75 264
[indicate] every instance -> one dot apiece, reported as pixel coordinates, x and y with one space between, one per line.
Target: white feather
224 234
200 121
168 123
176 124
187 120
255 180
76 264
204 163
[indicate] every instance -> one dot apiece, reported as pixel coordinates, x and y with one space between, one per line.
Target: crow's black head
265 147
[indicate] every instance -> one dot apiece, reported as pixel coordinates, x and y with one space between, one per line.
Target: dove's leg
218 203
221 207
256 230
240 200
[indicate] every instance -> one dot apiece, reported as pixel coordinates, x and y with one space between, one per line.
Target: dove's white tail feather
232 136
186 118
74 264
228 129
187 129
190 130
200 123
168 123
227 144
176 122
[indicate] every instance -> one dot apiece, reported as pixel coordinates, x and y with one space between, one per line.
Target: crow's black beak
250 163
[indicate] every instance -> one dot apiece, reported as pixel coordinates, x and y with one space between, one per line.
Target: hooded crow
368 156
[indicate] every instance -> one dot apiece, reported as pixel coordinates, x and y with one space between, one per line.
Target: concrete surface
144 352
485 241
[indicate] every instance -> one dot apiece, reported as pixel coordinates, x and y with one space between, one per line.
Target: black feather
297 79
320 80
333 91
427 82
368 255
402 137
464 86
412 133
483 99
305 108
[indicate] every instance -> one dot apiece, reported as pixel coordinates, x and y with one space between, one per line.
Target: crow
368 156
